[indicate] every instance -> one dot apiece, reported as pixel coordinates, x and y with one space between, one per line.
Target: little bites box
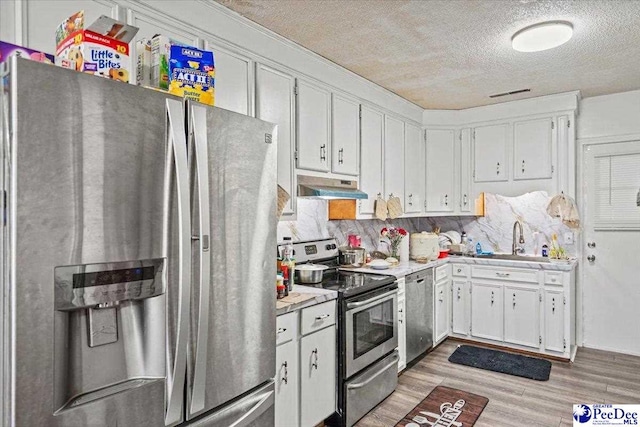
102 49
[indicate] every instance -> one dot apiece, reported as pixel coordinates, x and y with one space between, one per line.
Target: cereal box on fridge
101 49
143 62
8 49
192 74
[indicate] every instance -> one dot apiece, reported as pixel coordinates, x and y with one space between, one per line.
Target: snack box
160 51
102 49
8 49
143 62
192 74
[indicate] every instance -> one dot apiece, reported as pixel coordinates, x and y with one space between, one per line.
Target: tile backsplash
493 231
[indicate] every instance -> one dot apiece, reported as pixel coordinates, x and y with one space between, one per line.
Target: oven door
371 329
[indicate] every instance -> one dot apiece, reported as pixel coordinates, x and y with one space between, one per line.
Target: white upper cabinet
314 126
414 169
466 203
233 80
440 183
275 103
42 18
345 142
394 158
490 153
371 154
532 148
151 23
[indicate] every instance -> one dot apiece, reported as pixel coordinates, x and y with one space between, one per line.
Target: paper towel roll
404 250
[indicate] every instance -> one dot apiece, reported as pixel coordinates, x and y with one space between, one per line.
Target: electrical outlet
568 238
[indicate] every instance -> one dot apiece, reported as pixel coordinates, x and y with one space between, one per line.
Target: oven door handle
369 301
396 357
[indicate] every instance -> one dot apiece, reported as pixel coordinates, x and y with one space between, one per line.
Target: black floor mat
500 361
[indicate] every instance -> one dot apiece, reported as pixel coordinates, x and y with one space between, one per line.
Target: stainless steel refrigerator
137 256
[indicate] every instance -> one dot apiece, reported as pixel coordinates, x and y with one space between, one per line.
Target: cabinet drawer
510 274
440 273
553 278
318 317
286 327
460 270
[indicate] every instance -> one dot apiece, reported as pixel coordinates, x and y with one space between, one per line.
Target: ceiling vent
513 92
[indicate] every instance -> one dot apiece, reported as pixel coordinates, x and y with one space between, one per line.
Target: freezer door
233 169
89 174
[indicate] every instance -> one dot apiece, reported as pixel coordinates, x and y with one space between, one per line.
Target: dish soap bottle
478 248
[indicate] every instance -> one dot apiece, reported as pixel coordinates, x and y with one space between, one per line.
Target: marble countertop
404 269
321 295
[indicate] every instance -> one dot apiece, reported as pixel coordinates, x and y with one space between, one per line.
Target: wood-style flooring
595 377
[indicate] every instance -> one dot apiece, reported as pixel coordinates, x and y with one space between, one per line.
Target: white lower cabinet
554 320
402 327
486 311
522 316
317 376
287 384
442 294
459 309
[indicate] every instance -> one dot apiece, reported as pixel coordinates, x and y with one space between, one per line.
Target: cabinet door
317 376
486 311
440 164
532 146
151 23
345 141
287 384
371 150
314 127
402 333
490 145
554 339
522 316
234 80
42 17
466 202
394 158
414 169
441 310
275 103
460 322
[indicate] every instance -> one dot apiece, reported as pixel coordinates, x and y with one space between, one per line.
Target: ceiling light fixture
543 36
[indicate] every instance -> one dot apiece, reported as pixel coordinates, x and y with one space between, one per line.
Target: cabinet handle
410 199
553 305
281 330
458 293
285 378
491 297
498 168
322 317
446 200
459 270
465 200
523 166
323 157
315 362
502 274
591 245
341 156
514 300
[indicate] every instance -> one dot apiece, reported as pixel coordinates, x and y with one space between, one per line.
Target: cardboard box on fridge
101 49
8 49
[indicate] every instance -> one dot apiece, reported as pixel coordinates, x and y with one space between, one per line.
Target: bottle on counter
289 261
280 288
478 248
469 248
285 275
545 250
463 238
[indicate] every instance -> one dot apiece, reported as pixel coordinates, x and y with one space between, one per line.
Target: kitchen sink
511 257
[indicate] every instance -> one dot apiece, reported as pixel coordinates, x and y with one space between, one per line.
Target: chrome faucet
515 248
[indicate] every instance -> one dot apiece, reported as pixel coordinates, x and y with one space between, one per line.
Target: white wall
608 115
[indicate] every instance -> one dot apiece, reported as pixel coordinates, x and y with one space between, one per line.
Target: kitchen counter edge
322 295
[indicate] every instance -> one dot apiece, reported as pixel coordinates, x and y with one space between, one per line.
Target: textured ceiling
454 54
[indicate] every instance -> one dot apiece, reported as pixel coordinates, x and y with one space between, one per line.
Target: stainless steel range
367 331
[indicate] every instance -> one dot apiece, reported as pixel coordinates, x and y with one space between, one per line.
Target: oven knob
333 246
329 246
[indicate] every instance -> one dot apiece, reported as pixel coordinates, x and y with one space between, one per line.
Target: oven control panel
89 285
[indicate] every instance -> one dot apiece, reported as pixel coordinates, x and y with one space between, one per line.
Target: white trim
610 349
608 139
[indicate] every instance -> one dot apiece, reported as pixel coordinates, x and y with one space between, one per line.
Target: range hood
328 188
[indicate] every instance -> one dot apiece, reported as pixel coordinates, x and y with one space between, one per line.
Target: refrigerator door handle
178 151
198 117
258 409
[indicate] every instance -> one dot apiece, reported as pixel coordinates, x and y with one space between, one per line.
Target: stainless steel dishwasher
419 312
